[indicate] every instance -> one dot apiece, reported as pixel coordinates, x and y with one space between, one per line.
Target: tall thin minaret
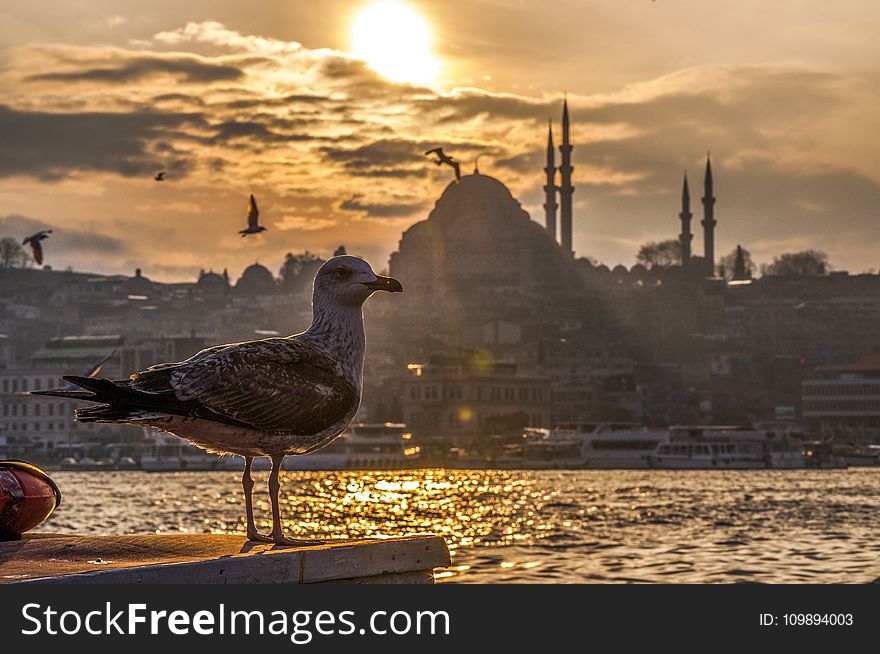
708 222
550 187
565 189
685 237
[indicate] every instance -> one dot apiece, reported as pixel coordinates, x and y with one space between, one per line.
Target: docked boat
618 446
363 446
594 445
728 448
169 453
540 449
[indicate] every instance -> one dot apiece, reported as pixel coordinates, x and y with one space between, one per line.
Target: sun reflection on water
558 526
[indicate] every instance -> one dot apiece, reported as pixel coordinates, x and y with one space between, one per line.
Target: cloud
51 146
380 210
328 144
63 238
383 152
304 223
217 34
254 131
191 69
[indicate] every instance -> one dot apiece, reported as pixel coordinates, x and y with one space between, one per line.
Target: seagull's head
349 281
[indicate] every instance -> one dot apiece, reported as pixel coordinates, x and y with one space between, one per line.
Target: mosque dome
211 283
477 231
256 280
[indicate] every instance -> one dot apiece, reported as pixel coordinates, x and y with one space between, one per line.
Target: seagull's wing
253 214
37 250
439 151
275 385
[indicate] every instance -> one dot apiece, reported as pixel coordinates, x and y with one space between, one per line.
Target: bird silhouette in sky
253 216
36 246
160 176
443 158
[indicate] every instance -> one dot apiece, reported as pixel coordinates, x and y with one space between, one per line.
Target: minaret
685 237
550 187
565 189
708 222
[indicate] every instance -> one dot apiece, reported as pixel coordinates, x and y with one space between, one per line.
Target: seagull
36 246
160 176
253 215
446 159
269 397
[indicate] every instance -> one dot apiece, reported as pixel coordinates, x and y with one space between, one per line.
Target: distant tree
804 264
729 269
13 255
661 255
298 270
592 261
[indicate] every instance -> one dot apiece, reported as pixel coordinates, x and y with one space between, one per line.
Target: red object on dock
27 497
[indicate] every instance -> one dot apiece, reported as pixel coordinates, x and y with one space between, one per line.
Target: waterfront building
468 396
843 400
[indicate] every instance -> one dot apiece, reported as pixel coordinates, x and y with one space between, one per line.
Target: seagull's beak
385 284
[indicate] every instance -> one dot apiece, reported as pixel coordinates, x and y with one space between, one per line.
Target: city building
843 400
465 396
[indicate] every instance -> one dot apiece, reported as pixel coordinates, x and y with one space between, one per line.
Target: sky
324 115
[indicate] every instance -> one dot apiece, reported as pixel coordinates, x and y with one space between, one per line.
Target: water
792 526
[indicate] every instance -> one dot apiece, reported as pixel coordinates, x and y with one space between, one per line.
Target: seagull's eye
342 273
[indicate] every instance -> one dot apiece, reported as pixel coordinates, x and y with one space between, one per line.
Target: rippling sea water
533 526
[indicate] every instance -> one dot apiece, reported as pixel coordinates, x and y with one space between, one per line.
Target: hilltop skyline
232 102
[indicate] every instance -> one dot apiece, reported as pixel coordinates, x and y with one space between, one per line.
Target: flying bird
36 246
253 216
160 176
446 159
269 397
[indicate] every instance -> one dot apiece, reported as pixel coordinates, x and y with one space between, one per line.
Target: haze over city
324 110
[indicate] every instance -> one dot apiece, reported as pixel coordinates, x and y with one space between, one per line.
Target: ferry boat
363 446
617 445
594 445
539 449
168 453
728 448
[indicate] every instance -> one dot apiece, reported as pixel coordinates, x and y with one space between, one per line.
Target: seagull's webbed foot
281 539
261 538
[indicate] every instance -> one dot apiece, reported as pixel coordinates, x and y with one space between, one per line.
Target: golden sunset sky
323 110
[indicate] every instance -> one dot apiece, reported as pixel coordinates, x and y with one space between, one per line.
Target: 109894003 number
817 619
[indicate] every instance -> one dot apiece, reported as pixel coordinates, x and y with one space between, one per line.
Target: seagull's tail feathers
67 394
103 390
93 390
110 413
119 402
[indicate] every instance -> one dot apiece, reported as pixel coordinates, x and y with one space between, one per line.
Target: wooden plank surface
215 558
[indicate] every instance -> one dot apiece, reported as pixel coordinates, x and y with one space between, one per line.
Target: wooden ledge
217 559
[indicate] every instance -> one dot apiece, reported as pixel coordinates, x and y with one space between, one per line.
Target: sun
395 41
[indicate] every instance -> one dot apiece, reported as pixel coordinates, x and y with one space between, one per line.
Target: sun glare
395 41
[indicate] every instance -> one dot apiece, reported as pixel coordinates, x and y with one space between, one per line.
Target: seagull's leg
247 483
274 489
